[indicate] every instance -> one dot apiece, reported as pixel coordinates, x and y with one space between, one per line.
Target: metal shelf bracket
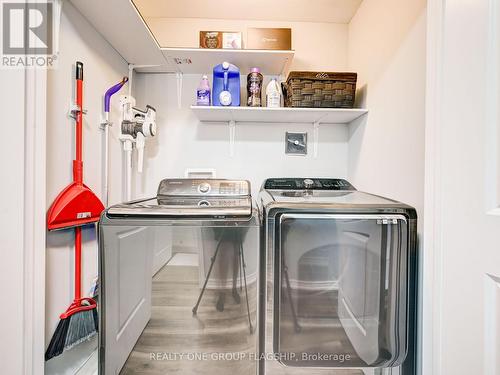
315 138
178 76
232 133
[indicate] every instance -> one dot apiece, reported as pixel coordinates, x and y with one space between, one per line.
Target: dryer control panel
307 184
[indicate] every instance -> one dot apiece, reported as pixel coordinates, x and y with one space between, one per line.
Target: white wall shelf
314 116
202 60
279 115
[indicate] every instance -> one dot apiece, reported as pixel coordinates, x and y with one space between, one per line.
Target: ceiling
334 11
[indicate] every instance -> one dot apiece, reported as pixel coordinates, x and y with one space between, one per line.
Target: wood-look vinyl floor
173 329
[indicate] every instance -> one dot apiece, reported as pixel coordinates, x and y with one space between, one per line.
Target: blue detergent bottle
226 85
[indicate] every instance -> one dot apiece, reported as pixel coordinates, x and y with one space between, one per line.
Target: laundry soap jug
273 94
226 85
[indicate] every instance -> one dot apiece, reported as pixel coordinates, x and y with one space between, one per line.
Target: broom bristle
56 345
77 328
82 327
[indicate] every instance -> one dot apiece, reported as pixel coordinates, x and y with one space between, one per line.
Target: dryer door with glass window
341 290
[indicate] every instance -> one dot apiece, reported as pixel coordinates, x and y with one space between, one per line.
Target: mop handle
78 162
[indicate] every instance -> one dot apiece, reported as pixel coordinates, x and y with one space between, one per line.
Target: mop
75 206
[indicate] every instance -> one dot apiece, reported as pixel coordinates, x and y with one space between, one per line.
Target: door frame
34 181
24 260
431 264
431 319
35 210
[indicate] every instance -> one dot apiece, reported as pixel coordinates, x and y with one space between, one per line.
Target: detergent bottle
273 94
203 92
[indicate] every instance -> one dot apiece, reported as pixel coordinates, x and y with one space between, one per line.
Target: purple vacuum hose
113 90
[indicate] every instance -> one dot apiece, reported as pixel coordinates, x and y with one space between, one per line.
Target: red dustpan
76 205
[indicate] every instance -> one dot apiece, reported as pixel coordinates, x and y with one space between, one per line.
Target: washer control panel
307 184
203 187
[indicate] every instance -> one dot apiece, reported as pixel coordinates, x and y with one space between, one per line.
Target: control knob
308 183
204 187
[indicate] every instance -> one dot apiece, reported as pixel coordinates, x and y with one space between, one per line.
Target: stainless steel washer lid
192 198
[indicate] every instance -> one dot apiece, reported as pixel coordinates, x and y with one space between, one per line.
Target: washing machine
338 280
179 281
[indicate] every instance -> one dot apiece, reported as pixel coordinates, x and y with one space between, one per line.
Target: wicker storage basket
320 89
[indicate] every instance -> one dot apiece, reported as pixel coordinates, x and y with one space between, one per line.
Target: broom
79 322
75 206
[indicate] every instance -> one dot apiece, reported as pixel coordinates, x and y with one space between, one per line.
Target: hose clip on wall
75 110
136 126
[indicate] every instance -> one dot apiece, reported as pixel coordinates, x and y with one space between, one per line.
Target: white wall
385 149
103 67
183 142
387 49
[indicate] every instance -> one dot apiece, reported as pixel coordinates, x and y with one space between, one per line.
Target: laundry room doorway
461 270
